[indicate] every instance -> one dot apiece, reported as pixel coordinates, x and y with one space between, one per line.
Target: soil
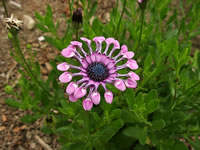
15 135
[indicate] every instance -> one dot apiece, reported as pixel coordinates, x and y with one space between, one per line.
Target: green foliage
165 106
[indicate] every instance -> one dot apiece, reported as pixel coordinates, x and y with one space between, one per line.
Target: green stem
70 9
141 29
4 5
121 17
77 34
16 44
77 3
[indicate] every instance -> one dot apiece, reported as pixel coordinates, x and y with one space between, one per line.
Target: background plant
162 110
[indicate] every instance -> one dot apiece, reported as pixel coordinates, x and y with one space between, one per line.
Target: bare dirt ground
15 135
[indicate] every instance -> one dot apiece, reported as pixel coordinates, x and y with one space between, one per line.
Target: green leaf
130 96
65 131
136 132
30 118
74 146
152 105
158 124
198 60
180 146
39 18
115 114
139 99
105 134
54 42
42 28
13 103
147 63
93 10
153 94
128 116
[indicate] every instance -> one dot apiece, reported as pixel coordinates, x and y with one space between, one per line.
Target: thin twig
42 143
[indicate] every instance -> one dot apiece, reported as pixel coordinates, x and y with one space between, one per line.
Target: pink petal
128 55
130 83
132 64
99 39
109 41
65 77
95 96
124 49
87 104
99 57
111 65
63 66
76 43
88 59
93 57
72 98
68 52
140 1
108 95
71 88
133 75
79 92
84 63
86 40
107 61
116 44
113 70
120 85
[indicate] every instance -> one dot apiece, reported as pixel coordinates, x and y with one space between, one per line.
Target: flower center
97 71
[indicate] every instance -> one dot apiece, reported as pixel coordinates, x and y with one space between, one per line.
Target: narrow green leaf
13 103
42 28
93 10
30 118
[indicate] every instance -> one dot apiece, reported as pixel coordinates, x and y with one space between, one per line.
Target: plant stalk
122 14
16 44
77 30
5 8
141 29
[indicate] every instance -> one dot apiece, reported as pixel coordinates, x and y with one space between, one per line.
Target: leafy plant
162 110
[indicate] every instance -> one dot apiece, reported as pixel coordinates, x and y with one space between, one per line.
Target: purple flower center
97 71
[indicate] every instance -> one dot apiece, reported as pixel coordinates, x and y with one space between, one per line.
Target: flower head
98 67
12 22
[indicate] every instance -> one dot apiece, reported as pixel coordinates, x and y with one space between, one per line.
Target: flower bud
8 89
77 18
142 4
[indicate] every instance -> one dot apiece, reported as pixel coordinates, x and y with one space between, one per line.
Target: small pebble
29 22
13 3
41 38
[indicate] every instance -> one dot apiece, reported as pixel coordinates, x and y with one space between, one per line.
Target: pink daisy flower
97 68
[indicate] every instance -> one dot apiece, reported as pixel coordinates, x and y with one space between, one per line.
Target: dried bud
13 23
50 120
77 18
142 3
